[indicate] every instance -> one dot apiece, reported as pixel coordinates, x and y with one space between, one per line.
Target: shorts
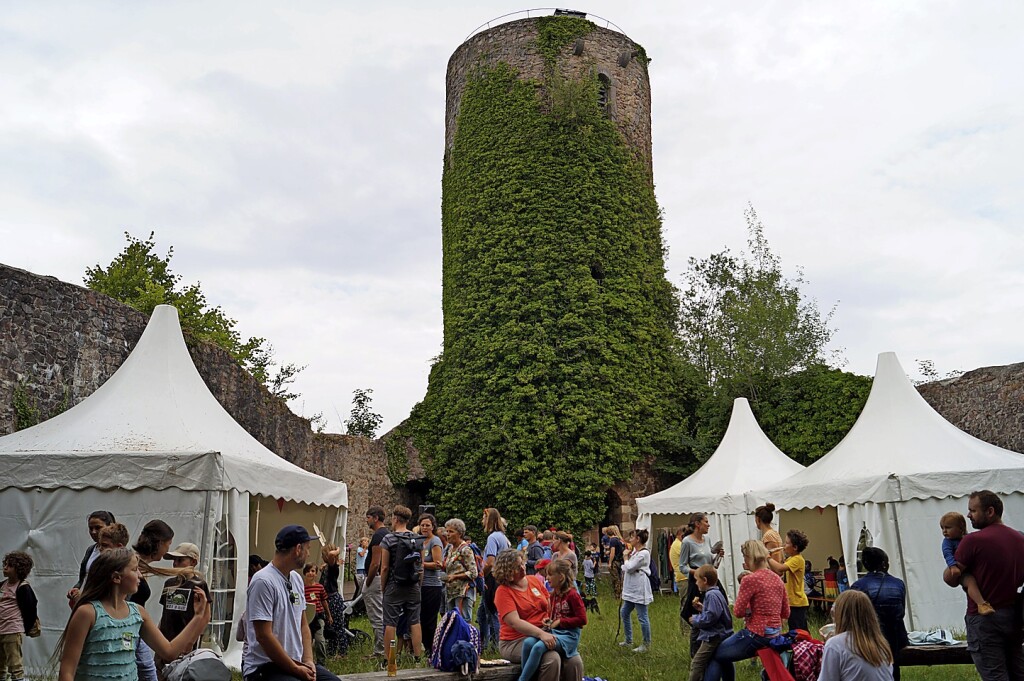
396 606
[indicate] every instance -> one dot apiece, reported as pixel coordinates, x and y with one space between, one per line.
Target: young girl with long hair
857 651
104 629
565 621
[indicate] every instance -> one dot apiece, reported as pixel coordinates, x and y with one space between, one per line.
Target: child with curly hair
17 612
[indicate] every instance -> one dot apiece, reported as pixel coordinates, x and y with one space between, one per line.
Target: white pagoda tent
889 481
745 459
153 442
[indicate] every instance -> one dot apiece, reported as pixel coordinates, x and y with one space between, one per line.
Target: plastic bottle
392 657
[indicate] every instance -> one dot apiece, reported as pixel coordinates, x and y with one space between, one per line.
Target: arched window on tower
604 94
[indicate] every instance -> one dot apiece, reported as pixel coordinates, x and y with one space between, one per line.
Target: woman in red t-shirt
762 604
523 606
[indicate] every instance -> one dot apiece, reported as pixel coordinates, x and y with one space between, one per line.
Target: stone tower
558 365
619 63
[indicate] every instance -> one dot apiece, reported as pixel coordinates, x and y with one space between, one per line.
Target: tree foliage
363 421
749 331
139 277
742 321
559 368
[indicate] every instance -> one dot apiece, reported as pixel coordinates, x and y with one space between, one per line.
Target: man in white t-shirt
278 644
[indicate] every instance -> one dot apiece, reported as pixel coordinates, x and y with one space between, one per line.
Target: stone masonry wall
515 43
60 342
988 403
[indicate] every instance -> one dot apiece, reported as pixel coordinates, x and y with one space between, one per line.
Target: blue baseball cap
291 536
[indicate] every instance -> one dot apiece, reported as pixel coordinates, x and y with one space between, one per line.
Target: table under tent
153 442
745 459
887 483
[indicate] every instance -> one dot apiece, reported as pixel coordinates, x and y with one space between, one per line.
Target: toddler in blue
954 527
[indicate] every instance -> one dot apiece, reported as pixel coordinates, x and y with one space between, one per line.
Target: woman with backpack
636 590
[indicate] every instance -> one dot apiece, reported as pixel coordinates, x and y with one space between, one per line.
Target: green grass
668 660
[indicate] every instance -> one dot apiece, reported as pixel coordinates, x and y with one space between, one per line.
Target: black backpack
407 558
654 578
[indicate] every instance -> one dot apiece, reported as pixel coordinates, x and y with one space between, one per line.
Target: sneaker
642 648
625 643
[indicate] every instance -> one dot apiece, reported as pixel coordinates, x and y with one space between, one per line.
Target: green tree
749 331
559 369
139 277
363 421
743 322
808 412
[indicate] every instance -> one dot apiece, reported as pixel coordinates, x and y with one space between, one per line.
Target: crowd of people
524 593
524 598
109 633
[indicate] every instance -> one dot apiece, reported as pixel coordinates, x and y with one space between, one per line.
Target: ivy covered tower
559 368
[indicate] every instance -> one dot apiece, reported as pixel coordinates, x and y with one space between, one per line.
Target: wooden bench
919 656
506 672
823 602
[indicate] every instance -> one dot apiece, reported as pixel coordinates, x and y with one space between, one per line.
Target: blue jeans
489 624
742 645
641 614
464 605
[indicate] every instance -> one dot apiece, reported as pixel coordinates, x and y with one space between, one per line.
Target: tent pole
899 549
204 567
732 559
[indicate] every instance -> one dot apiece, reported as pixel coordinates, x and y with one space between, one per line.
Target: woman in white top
857 651
636 590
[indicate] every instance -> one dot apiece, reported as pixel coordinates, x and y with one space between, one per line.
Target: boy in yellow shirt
792 570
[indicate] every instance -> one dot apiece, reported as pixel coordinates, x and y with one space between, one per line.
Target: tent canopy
745 459
154 424
899 449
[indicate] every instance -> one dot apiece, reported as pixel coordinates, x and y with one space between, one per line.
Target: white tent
891 478
153 442
745 459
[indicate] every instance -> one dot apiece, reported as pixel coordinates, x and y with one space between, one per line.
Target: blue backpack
456 645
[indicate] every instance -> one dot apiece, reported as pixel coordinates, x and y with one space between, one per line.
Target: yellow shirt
673 557
794 574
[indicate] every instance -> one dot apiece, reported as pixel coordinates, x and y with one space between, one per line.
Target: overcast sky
292 157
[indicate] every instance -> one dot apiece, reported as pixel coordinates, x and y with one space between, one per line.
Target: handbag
201 664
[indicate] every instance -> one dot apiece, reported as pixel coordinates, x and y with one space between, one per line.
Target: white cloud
292 156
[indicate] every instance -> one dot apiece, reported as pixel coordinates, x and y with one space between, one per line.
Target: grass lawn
668 660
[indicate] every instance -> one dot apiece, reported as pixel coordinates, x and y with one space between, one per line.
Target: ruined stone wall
59 342
515 44
988 403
